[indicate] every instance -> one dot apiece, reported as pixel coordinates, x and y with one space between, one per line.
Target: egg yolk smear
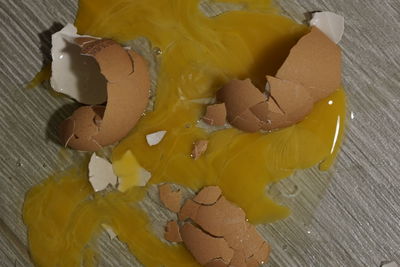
199 55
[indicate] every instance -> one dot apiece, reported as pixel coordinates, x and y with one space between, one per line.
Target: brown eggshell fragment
128 95
315 63
261 111
247 121
217 234
204 247
239 96
188 210
127 101
292 98
79 130
171 199
199 147
215 115
276 118
252 240
172 232
208 195
219 219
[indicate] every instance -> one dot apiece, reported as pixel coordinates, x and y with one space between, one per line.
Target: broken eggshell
203 246
215 115
329 23
239 96
311 72
155 138
73 74
170 198
288 104
101 173
217 233
199 148
128 84
315 62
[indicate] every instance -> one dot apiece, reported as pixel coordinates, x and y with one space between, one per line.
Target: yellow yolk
199 55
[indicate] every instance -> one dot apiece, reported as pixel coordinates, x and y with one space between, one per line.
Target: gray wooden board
346 217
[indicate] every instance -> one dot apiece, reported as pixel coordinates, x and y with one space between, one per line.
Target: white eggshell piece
73 74
155 138
101 173
329 23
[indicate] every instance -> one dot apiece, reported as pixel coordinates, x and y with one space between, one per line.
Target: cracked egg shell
188 210
203 246
248 122
291 102
239 96
128 96
170 198
199 148
314 62
208 195
172 233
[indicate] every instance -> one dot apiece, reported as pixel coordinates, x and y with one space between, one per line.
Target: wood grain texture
349 216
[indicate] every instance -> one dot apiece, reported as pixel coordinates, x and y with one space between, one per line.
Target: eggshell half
239 96
292 98
314 62
128 96
216 232
72 73
215 115
127 101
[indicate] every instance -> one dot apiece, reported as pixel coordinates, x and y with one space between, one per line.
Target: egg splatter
199 55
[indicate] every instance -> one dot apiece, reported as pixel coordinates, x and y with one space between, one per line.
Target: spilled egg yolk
199 55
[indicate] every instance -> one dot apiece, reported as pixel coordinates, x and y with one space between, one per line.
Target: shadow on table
55 120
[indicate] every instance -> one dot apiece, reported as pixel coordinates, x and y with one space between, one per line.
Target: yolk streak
200 54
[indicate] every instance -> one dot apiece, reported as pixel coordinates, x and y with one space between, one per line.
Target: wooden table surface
349 216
